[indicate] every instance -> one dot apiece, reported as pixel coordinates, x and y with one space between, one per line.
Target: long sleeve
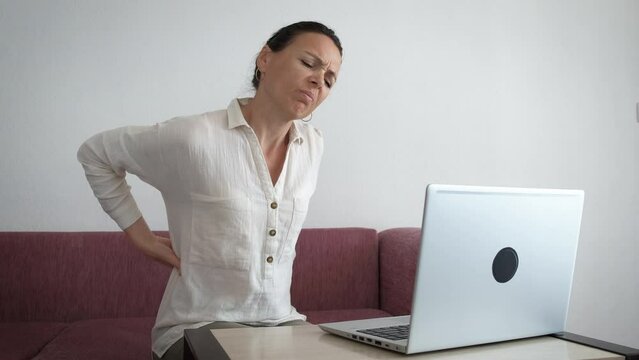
108 156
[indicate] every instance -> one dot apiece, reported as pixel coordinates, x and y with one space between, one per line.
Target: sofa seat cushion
124 338
20 341
324 316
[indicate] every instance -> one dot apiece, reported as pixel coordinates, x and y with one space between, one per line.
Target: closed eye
310 66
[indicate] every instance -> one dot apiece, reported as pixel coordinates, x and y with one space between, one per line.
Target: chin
299 114
301 111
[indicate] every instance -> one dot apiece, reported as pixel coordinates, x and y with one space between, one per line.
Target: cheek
285 77
294 73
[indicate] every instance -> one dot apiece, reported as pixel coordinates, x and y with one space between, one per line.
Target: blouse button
269 259
273 205
272 232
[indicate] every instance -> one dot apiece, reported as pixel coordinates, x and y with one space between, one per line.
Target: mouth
307 96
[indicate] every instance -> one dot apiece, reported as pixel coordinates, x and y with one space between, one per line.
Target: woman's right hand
162 251
156 247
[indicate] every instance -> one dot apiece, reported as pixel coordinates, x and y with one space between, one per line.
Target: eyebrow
318 59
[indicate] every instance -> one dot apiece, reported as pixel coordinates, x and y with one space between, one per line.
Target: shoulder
197 121
190 127
312 138
309 132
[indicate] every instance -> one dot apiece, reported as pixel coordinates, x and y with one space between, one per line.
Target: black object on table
628 352
208 348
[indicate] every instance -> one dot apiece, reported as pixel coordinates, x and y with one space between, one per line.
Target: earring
257 73
309 119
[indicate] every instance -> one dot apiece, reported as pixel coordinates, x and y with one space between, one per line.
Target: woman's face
298 78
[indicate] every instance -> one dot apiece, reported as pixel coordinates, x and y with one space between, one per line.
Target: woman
236 185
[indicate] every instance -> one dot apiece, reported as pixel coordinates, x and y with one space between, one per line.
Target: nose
316 80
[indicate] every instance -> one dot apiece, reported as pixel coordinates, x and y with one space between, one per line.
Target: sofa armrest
398 250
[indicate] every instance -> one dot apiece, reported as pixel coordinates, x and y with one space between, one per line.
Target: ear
264 58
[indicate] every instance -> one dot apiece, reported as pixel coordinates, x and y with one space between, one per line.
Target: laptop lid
495 264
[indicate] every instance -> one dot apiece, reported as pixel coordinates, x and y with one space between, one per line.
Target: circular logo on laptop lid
505 264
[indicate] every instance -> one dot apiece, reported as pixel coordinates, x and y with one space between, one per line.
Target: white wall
514 93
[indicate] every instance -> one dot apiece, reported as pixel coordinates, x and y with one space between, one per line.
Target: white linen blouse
232 228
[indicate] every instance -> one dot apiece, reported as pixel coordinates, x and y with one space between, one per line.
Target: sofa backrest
67 276
398 251
336 269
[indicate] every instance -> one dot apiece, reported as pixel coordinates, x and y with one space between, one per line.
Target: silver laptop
494 264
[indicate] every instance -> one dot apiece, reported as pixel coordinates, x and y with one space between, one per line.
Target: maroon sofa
92 295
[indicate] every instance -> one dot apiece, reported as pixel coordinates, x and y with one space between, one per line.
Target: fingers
164 241
165 253
156 247
173 260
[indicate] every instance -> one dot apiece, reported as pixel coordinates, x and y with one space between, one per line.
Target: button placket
272 236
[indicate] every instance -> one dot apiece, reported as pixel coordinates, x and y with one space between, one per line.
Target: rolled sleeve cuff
126 214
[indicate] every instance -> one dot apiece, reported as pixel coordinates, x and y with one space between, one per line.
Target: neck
268 124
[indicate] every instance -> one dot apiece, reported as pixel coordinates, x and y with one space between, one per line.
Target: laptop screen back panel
463 295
